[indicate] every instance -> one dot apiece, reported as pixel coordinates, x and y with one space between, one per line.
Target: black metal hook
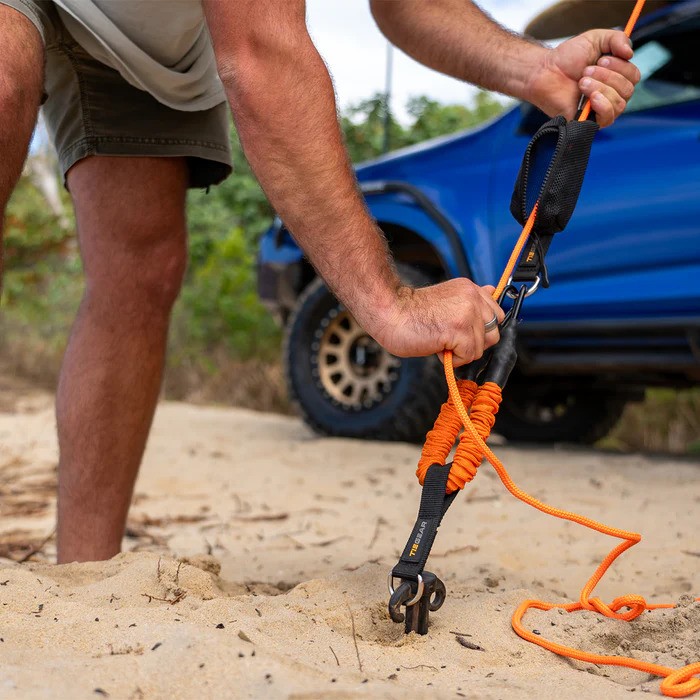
416 615
403 593
513 314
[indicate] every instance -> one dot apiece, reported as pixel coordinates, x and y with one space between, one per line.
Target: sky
355 51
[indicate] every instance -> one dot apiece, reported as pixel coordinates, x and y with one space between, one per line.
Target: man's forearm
283 103
457 38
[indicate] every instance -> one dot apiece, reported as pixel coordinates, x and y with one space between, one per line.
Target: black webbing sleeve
551 174
434 503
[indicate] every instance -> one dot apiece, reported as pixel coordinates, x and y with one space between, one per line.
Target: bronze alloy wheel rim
353 370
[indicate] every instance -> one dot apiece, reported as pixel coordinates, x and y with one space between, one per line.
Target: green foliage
433 119
33 231
236 202
220 306
363 124
35 244
42 282
363 129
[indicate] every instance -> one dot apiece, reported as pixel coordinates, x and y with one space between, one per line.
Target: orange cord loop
474 408
484 403
681 683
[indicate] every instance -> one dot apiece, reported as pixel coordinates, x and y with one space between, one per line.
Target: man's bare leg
21 84
131 226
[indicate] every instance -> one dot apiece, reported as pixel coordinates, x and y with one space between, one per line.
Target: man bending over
135 97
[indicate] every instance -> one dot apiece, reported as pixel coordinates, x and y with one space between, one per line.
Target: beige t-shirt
160 46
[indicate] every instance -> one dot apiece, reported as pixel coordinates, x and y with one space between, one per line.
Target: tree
363 123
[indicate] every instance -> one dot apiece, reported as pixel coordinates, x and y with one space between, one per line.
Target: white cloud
355 51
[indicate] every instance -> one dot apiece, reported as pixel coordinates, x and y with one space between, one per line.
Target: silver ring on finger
491 325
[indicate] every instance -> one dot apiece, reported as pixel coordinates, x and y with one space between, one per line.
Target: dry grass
253 384
666 421
22 545
26 489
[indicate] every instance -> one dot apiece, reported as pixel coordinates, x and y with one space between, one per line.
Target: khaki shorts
90 109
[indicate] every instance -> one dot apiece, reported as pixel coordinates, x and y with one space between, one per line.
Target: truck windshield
670 70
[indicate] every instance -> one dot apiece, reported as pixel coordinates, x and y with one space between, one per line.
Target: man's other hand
447 316
596 64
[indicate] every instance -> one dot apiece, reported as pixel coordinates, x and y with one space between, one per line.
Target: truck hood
400 155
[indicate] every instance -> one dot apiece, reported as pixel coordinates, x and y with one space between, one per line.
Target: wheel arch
407 246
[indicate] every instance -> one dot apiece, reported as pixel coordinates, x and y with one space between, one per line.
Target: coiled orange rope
474 408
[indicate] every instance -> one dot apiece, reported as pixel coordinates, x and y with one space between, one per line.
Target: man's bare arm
283 103
284 106
457 38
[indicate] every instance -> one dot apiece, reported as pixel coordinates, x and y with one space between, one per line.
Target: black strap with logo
434 503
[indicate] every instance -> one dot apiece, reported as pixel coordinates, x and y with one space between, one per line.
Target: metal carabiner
403 595
530 290
519 295
419 593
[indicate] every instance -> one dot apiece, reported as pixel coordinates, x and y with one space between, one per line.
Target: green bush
219 305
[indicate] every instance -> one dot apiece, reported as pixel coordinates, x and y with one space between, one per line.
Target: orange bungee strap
473 408
678 683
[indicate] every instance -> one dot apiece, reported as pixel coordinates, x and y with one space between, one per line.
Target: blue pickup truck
623 311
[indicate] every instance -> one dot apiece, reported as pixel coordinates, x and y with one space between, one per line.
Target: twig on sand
471 496
37 547
327 543
172 601
261 518
469 645
690 554
380 521
334 654
354 636
413 668
457 550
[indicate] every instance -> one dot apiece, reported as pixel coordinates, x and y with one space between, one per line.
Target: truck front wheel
345 384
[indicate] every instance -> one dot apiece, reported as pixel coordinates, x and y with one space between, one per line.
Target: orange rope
484 402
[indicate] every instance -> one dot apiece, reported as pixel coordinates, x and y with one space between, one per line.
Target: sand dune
254 549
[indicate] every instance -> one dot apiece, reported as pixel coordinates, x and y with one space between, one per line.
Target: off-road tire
405 411
557 414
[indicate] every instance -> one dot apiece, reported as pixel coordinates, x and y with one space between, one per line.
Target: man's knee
161 273
132 229
145 276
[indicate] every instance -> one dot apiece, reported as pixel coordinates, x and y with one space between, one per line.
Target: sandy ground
256 560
